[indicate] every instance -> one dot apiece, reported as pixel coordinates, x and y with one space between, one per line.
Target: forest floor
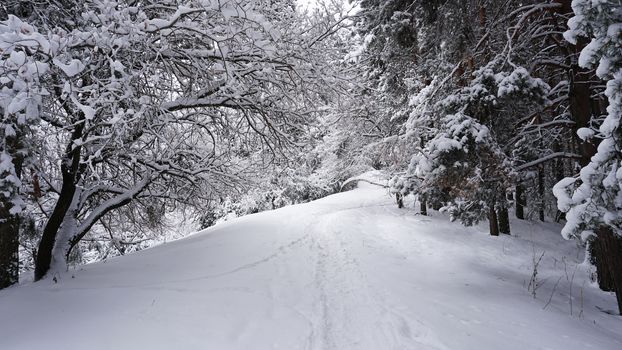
350 271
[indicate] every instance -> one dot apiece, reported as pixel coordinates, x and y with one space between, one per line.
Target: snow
72 68
350 271
585 134
564 201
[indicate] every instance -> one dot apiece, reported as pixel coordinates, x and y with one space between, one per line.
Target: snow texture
349 271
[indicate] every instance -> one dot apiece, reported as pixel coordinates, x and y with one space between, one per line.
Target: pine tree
593 199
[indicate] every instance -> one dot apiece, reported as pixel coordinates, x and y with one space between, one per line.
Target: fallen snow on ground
350 271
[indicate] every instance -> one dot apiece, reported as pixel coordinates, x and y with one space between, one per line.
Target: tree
20 99
162 101
593 199
428 56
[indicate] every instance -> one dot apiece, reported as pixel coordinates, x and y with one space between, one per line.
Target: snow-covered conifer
592 200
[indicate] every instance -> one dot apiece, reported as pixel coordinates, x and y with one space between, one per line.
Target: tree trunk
520 201
423 206
561 169
504 220
70 169
9 248
541 194
581 111
609 257
48 239
436 205
400 200
597 259
9 223
492 220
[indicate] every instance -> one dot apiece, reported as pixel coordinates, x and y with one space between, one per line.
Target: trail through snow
350 271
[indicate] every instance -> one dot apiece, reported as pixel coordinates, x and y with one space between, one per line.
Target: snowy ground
350 271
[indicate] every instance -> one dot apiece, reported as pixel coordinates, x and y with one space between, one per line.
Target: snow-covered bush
278 189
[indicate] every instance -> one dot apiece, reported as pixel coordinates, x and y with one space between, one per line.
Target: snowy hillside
350 271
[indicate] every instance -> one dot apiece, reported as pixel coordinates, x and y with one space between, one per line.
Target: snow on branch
109 205
548 158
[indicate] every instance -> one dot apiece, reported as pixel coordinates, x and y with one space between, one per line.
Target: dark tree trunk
541 194
504 220
70 169
581 111
9 248
608 257
9 223
48 239
521 201
436 205
423 206
400 200
492 220
603 277
558 167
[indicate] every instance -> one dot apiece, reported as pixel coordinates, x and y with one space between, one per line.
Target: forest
124 119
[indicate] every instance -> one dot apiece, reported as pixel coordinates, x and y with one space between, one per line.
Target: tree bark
504 220
609 260
9 248
423 206
597 259
438 204
48 239
581 111
521 202
9 223
541 194
70 167
492 220
400 200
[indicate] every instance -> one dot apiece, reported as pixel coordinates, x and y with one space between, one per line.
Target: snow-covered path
347 272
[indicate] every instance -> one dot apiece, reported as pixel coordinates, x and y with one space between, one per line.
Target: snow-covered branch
548 158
